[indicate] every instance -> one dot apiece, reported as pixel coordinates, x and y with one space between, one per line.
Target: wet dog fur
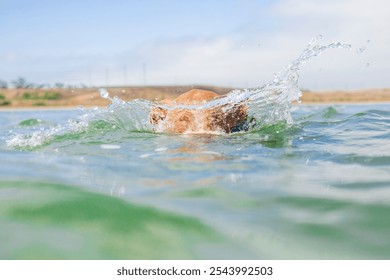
179 120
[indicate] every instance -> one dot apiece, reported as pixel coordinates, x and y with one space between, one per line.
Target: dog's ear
236 118
157 115
229 121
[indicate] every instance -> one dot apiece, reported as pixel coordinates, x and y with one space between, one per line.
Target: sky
233 43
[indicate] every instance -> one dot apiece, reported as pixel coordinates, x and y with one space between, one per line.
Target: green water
47 220
319 189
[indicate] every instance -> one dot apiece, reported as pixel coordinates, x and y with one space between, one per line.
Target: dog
169 119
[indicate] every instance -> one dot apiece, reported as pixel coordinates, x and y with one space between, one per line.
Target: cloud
249 59
224 60
247 56
362 23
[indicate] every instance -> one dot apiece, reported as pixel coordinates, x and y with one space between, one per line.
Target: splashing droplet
104 93
361 49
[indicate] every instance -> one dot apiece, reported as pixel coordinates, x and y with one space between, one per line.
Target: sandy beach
24 98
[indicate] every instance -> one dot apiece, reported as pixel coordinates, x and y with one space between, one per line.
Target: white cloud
246 58
251 59
351 21
223 60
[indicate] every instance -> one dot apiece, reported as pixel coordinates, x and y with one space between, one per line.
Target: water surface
319 188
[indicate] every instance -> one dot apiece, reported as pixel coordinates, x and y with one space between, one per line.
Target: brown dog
197 120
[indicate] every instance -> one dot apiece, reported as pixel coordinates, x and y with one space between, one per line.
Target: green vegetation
4 101
40 103
52 95
47 95
30 95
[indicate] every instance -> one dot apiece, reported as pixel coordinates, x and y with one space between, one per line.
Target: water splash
269 104
362 48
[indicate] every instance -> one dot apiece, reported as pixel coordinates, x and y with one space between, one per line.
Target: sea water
307 181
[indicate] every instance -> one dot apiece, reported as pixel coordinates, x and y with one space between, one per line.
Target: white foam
145 155
162 149
110 147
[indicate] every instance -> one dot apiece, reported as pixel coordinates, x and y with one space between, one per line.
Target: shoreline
70 108
72 99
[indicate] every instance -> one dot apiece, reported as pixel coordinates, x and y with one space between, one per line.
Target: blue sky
230 43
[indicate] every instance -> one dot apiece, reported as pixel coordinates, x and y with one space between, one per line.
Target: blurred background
230 43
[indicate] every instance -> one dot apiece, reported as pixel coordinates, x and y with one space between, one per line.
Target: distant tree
59 85
33 85
3 84
40 86
22 83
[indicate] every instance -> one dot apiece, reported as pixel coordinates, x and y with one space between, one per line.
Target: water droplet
361 49
103 93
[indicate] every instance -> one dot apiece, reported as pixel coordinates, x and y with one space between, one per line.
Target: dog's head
218 119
